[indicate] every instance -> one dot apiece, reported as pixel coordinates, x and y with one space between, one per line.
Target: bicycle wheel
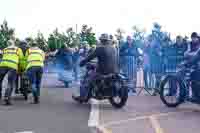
172 91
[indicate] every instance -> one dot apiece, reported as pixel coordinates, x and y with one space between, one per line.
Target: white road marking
94 120
94 114
114 123
25 132
104 130
156 125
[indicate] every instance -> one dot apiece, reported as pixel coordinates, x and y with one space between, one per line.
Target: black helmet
104 37
194 35
23 43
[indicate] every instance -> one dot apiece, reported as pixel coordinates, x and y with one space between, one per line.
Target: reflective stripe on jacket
35 57
11 57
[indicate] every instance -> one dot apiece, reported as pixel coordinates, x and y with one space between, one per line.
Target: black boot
7 101
17 91
35 98
78 98
195 93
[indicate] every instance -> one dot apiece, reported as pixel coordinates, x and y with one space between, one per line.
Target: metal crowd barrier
167 65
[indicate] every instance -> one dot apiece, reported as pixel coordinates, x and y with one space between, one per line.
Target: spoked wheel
172 91
121 96
25 86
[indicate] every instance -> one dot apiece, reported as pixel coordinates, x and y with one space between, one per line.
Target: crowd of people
159 57
155 57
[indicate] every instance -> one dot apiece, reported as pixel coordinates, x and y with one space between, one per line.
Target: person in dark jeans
129 54
75 59
146 65
64 62
156 63
34 69
35 76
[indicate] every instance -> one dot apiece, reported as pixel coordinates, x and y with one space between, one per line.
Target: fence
140 77
137 75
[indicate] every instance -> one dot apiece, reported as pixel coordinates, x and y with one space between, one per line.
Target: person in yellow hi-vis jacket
22 67
34 69
9 64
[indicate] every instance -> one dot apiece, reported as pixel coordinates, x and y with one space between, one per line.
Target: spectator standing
76 61
156 62
146 64
64 62
129 53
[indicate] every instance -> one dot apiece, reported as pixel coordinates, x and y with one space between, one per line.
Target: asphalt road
147 114
57 112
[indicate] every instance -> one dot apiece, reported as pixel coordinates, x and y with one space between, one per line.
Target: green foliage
29 40
6 34
17 42
138 36
51 43
70 38
119 35
87 35
156 32
55 40
41 42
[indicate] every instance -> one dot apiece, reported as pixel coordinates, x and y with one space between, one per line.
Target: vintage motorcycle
112 87
180 84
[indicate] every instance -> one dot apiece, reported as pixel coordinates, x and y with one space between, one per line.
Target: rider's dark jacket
194 58
107 59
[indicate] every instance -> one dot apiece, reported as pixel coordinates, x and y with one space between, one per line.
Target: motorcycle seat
104 76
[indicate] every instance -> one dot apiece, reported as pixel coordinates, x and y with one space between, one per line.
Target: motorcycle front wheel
172 91
119 100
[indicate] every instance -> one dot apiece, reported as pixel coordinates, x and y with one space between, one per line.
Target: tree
17 42
54 40
87 35
51 43
156 32
41 42
29 40
6 34
138 36
119 35
70 37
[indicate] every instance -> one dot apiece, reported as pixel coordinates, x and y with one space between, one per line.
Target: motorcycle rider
193 59
106 56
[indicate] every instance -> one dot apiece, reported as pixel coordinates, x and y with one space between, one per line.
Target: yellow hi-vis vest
35 57
11 57
22 64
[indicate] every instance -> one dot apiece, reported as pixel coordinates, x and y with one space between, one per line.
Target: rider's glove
82 63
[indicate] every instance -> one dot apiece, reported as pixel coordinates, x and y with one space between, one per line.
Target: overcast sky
29 16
